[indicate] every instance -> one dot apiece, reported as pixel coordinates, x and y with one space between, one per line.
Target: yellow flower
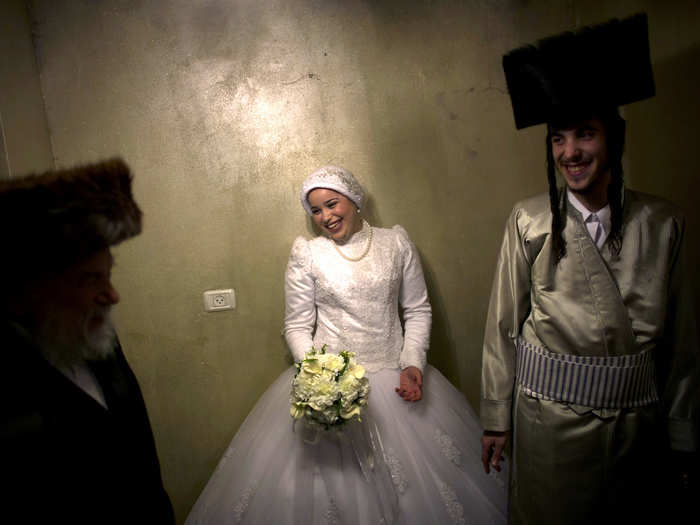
297 410
354 411
327 375
311 366
356 370
333 362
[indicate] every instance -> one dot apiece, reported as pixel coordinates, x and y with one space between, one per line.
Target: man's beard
65 344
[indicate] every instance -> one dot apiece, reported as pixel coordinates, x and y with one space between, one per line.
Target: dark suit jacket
63 456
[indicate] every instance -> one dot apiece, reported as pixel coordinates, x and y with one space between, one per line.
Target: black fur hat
54 219
576 73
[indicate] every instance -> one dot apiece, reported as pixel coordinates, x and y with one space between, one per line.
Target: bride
346 289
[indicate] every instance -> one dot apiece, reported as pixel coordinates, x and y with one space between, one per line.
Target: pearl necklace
365 252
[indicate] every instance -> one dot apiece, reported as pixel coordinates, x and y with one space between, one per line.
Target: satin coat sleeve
681 388
509 307
300 306
413 298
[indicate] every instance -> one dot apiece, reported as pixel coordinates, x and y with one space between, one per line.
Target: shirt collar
603 213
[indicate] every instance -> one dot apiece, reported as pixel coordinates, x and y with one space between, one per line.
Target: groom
590 350
75 440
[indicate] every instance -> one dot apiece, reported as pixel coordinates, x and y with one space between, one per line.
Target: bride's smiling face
335 214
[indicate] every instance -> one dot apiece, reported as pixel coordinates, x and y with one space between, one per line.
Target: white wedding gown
430 450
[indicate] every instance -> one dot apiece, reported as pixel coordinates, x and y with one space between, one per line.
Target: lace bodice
355 305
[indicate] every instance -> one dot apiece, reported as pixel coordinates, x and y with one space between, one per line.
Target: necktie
595 229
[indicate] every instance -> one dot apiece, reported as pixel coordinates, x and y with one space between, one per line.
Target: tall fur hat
57 218
575 74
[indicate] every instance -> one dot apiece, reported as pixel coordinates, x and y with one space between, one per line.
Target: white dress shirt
82 376
597 223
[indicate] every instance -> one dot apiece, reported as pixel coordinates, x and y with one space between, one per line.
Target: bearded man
75 441
590 351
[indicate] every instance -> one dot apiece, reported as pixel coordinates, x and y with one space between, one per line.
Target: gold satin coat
594 304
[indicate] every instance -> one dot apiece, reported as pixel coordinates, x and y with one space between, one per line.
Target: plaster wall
223 107
25 145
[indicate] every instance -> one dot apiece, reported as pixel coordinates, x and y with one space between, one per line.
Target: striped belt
600 382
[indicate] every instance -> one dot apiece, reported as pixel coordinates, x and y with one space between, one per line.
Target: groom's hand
410 384
492 445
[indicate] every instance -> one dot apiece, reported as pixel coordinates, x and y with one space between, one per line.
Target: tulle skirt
404 463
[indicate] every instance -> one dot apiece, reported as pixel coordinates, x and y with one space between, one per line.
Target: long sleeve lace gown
272 474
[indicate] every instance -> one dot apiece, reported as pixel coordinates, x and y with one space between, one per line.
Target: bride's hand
410 384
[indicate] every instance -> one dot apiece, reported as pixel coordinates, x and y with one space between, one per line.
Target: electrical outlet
216 300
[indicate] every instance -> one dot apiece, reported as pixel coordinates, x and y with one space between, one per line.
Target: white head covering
332 178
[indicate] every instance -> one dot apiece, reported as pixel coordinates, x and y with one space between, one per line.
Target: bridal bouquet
328 389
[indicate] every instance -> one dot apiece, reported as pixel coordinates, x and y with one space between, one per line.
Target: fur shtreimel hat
54 219
574 74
